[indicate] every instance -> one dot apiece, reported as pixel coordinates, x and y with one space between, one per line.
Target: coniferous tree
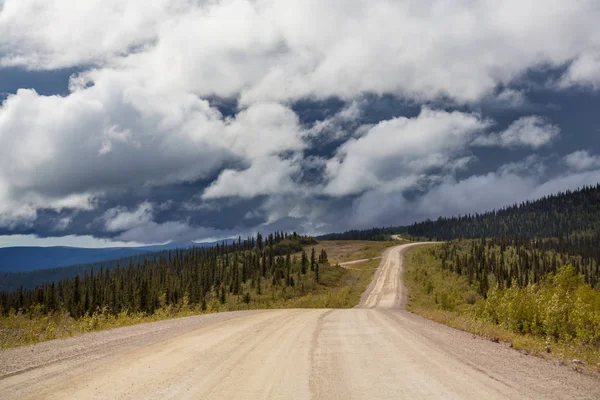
183 278
304 262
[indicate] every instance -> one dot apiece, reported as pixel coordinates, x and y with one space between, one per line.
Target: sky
126 122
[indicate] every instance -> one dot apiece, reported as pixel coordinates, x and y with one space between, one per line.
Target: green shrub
562 307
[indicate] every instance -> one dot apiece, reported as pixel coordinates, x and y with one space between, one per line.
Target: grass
33 327
338 288
339 251
448 298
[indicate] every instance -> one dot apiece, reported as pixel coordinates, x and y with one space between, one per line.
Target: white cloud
269 175
138 114
584 71
62 33
397 153
68 240
120 219
531 165
511 98
65 152
531 131
332 128
474 194
265 50
152 232
63 223
138 225
582 160
511 183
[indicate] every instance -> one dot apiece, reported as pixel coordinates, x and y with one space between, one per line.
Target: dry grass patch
339 251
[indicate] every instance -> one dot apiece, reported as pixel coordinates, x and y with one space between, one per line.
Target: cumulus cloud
261 50
531 131
270 175
64 152
120 219
336 126
582 160
138 224
170 231
40 34
511 98
142 109
72 240
531 165
450 196
395 154
584 72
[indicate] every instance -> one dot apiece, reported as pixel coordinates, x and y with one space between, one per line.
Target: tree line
521 262
559 215
192 276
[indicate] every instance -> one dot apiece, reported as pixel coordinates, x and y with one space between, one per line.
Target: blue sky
126 123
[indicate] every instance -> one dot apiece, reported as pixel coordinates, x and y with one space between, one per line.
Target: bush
562 307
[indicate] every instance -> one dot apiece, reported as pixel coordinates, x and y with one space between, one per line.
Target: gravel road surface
374 351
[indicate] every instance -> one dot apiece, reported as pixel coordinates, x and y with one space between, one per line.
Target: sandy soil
375 351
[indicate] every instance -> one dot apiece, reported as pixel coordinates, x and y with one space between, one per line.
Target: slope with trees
195 276
559 215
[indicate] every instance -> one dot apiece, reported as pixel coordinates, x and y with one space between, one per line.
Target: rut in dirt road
374 351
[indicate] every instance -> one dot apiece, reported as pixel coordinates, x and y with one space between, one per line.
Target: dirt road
374 351
351 264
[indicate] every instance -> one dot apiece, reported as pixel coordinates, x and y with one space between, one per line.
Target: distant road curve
349 264
375 351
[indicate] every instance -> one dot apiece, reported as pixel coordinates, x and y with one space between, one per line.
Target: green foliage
240 276
339 288
520 262
436 288
555 216
561 307
187 278
374 234
560 311
552 216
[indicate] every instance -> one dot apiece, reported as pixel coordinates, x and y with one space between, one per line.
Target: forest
521 262
376 234
528 273
559 215
194 276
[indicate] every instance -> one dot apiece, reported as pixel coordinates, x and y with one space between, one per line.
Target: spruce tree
304 262
223 298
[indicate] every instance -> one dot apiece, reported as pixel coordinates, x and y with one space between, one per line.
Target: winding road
376 350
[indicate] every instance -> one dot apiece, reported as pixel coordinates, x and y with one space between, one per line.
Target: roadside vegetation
554 315
294 277
340 251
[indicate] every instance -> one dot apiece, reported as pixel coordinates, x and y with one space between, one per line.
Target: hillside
559 215
25 259
281 272
195 276
10 281
31 258
64 267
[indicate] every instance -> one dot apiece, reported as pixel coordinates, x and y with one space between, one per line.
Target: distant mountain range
26 259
